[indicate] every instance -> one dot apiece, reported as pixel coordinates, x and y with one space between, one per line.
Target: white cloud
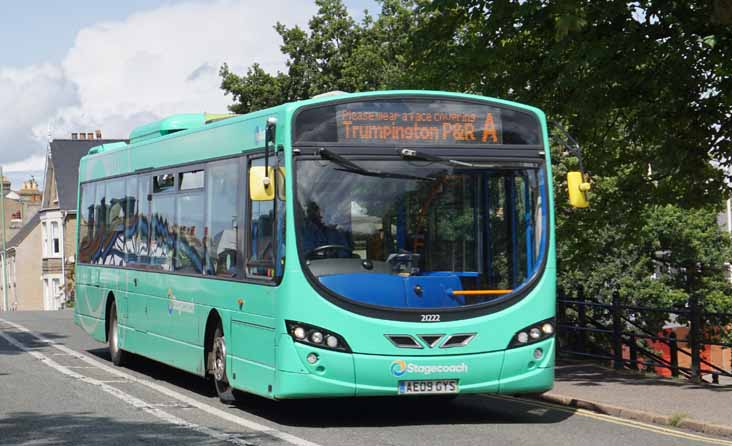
28 96
29 164
154 63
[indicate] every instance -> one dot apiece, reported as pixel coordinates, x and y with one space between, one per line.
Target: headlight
533 333
316 336
331 341
299 333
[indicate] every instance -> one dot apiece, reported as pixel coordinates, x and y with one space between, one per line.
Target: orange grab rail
480 292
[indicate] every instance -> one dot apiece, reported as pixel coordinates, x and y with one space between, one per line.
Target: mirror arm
270 134
570 144
573 147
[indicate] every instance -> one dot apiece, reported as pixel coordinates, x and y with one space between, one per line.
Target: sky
82 65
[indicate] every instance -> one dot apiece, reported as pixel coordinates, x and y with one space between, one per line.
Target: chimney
99 134
90 135
74 136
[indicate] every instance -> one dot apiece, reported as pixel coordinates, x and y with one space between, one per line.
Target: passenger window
143 227
86 223
130 218
162 241
223 237
100 223
113 246
189 233
261 229
163 183
191 180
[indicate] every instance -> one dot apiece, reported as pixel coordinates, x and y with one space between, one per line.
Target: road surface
58 386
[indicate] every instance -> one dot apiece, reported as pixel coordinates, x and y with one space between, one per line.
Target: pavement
58 386
644 397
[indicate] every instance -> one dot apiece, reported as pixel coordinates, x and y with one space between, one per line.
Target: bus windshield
403 233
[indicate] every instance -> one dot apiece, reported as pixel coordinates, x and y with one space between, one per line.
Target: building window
56 294
55 239
44 236
46 298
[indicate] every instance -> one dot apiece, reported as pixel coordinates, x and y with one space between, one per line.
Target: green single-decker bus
353 244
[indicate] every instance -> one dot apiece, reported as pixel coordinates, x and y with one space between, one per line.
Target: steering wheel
321 251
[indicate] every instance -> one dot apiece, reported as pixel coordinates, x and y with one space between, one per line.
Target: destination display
417 122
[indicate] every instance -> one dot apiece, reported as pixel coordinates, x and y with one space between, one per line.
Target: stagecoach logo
176 305
398 367
401 367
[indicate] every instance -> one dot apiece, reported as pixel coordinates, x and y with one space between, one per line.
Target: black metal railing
598 330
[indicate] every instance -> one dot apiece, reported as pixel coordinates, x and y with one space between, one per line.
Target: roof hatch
172 124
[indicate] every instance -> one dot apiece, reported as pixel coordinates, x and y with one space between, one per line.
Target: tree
335 53
646 86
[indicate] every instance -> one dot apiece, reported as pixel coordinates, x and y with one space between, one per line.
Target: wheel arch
212 321
107 307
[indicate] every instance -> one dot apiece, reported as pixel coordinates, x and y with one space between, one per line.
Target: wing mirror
578 189
261 183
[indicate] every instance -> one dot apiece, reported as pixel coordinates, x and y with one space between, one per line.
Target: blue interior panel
430 291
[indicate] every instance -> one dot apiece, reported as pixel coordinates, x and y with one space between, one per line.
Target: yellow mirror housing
578 189
261 183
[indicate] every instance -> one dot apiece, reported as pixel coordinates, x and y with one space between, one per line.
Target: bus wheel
218 367
118 355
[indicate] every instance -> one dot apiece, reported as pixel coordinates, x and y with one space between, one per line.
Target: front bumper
338 374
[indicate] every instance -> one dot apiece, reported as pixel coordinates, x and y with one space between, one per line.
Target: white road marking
127 398
252 425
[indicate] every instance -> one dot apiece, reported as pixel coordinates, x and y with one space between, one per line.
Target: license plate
425 387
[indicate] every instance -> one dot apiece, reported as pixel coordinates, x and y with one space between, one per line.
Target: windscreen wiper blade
413 154
350 166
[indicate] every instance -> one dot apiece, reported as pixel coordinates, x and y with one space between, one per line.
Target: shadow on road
28 340
594 376
83 428
357 412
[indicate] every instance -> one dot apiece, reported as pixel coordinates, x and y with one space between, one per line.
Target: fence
598 330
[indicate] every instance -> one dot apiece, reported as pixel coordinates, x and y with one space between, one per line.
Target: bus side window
130 225
113 245
280 224
162 239
189 232
261 231
141 239
86 223
100 223
222 234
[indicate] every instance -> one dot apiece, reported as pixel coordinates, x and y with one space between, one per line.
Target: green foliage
255 91
335 53
645 86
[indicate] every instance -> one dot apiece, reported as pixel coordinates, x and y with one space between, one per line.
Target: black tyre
119 356
217 367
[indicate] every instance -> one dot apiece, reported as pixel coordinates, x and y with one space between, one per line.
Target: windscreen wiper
350 166
413 154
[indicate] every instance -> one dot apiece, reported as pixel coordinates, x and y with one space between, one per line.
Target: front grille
431 339
403 341
458 340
